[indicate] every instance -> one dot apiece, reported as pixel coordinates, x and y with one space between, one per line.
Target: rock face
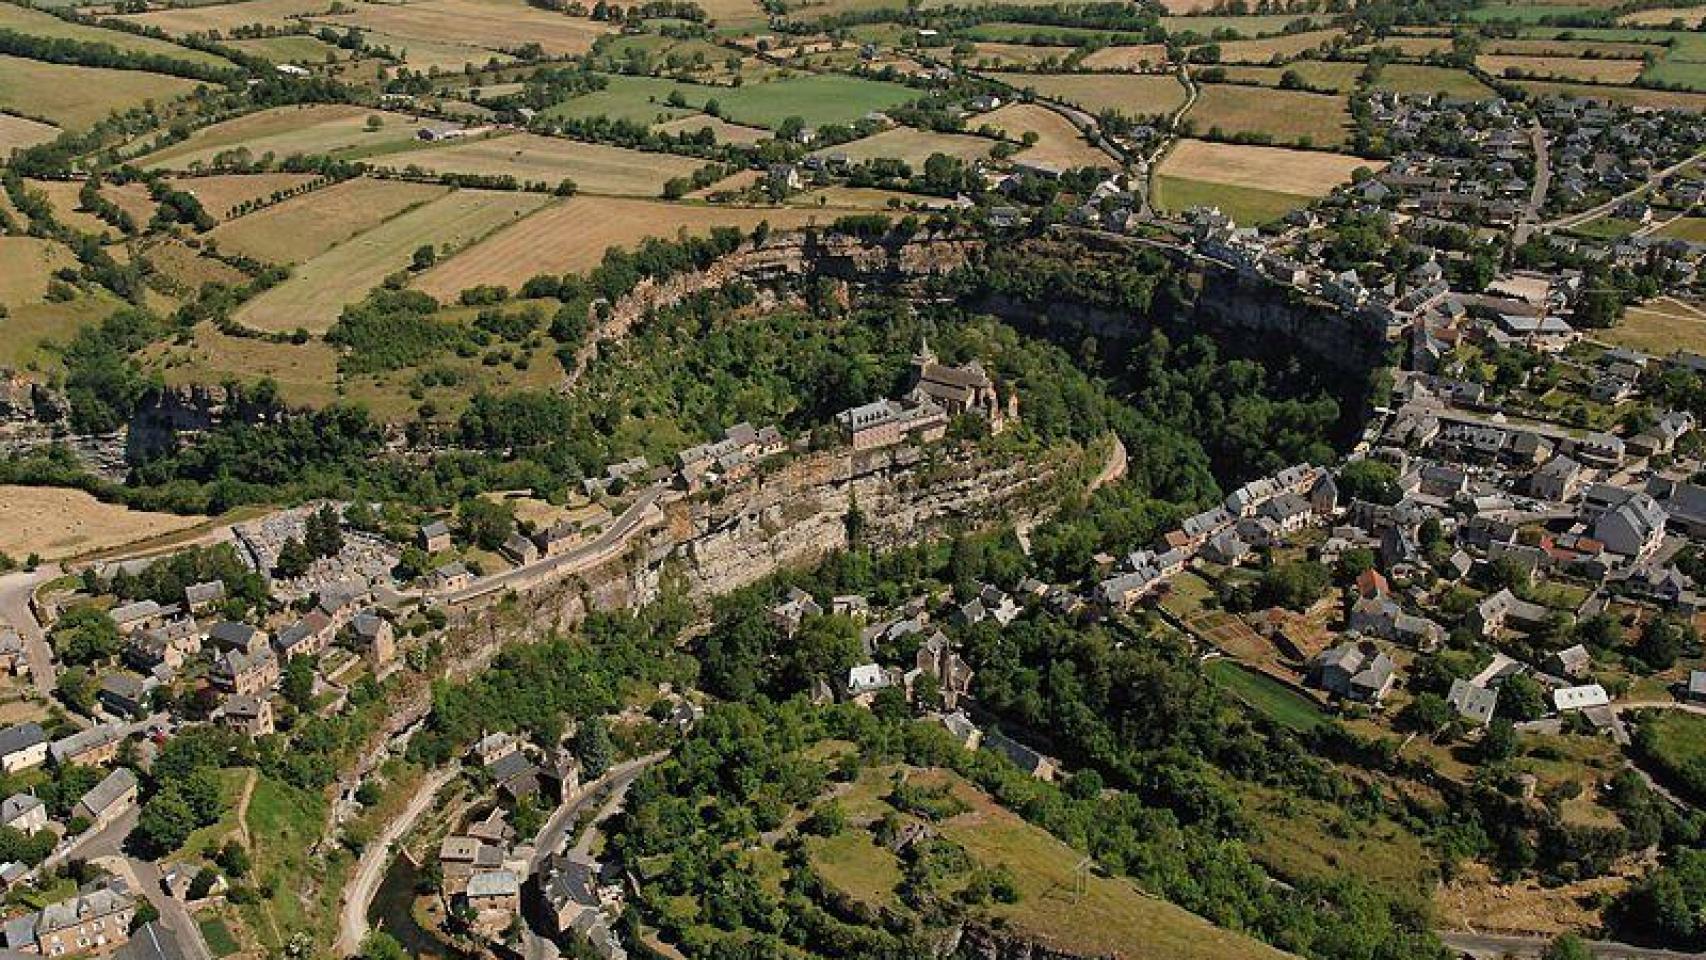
981 942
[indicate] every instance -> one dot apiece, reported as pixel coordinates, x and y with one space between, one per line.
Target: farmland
320 129
220 193
58 523
1690 17
31 320
530 158
1660 326
1126 94
496 25
319 289
225 17
1249 205
1269 49
639 99
306 373
1249 27
912 147
817 99
76 97
572 236
291 49
1059 144
1288 116
67 208
1333 75
304 227
1629 96
37 24
1010 54
1297 172
1132 57
1418 79
724 131
17 133
1562 68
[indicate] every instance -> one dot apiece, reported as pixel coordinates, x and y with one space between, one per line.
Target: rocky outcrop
983 942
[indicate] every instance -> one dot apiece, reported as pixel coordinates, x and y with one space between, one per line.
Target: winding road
16 589
376 857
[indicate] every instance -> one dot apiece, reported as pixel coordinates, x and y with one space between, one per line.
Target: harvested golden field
132 198
1289 116
77 97
17 133
1323 74
912 147
293 48
1628 96
571 237
304 227
1302 172
1270 49
1533 47
724 131
530 158
1134 57
1563 68
319 289
834 199
1691 17
339 129
734 13
1005 54
491 24
26 266
1411 46
37 23
447 57
64 195
186 269
225 17
1059 144
58 523
1128 94
220 193
306 373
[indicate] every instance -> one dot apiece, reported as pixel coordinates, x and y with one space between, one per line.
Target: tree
594 747
425 256
1498 743
1522 698
1373 480
298 682
380 945
1567 947
293 560
1428 713
77 687
1295 585
165 823
233 858
485 523
86 634
324 536
1661 643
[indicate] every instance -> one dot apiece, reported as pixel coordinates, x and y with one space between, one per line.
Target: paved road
609 542
376 857
1489 946
1542 183
1594 213
15 592
106 846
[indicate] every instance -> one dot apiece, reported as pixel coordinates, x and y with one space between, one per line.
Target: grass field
1411 46
490 24
1337 75
1249 26
1005 54
17 133
26 266
338 130
1523 12
1676 70
424 55
1267 696
225 17
306 373
285 823
64 195
291 49
734 13
38 24
816 98
1271 49
1130 57
1059 144
595 168
572 237
1659 327
1127 94
1289 116
1542 47
1108 918
220 193
1563 68
639 99
1678 745
1687 228
57 522
304 227
321 287
1416 78
1245 204
1305 173
1301 839
76 97
724 131
187 270
1628 96
1004 32
32 321
912 146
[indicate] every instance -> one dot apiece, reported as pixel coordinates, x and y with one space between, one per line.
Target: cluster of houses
1600 150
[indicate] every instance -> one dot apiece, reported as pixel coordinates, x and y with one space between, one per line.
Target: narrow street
16 589
376 858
